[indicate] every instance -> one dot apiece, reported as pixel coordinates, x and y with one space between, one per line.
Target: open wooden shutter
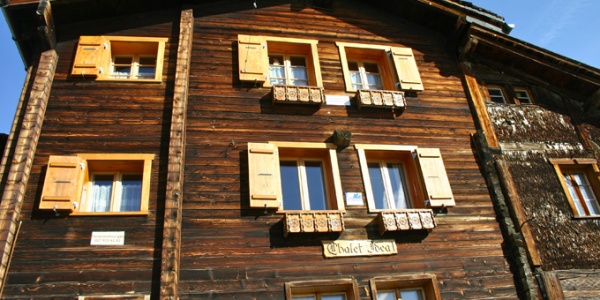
62 186
264 176
253 58
406 69
434 177
92 57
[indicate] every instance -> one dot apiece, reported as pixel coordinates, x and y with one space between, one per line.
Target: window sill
109 214
313 221
405 219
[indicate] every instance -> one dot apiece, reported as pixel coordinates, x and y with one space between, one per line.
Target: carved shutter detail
253 58
406 69
62 185
93 53
434 177
264 175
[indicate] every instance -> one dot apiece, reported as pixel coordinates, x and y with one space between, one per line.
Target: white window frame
134 67
502 94
362 72
387 183
287 70
588 168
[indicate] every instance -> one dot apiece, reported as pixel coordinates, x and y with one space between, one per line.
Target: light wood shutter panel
434 177
63 183
406 69
253 58
91 57
264 176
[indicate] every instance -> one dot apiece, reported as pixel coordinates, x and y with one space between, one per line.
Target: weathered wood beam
171 244
22 159
478 105
46 30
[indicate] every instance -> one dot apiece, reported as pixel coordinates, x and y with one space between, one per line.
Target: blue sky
568 28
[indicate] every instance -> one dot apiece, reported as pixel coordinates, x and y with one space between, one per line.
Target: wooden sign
342 248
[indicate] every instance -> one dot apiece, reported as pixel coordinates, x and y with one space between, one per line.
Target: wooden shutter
264 176
92 57
62 185
434 177
406 69
253 58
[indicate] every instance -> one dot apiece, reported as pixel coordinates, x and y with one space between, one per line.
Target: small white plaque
108 238
337 100
354 198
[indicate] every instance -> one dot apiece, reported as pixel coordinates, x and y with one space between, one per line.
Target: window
581 183
403 177
98 183
523 96
119 58
405 287
340 289
497 95
279 61
294 176
377 67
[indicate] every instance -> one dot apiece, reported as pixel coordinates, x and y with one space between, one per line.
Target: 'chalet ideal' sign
341 248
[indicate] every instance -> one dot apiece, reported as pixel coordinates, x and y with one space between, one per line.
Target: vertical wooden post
478 106
171 246
22 158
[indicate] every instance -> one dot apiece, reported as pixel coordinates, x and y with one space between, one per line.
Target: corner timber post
171 244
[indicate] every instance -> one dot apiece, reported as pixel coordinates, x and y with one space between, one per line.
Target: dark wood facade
201 239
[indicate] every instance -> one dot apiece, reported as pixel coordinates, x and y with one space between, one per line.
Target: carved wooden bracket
377 98
298 94
317 221
406 219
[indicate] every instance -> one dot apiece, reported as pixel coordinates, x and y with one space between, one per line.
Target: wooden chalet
301 149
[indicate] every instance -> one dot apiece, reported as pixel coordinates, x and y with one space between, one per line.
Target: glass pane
121 71
353 66
316 185
571 186
299 73
304 297
277 74
148 60
355 78
131 192
496 95
587 193
398 182
290 185
371 67
386 295
101 193
374 81
275 60
411 294
297 61
377 186
334 297
523 96
146 72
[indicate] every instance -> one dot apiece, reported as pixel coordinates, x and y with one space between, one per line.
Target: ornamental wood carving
406 219
298 94
377 98
297 222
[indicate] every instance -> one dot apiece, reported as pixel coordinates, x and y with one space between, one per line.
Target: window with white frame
294 176
580 181
98 184
401 294
337 289
365 75
497 95
403 177
405 287
288 69
523 96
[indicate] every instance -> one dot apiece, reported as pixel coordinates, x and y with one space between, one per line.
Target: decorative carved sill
406 219
377 98
313 221
298 94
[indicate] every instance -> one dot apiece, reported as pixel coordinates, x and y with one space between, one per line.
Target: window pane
386 295
101 193
334 297
316 185
131 192
297 61
299 73
588 194
377 186
371 67
398 183
304 297
123 60
353 66
290 185
146 72
523 96
121 71
411 294
571 186
496 95
374 81
148 60
356 80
